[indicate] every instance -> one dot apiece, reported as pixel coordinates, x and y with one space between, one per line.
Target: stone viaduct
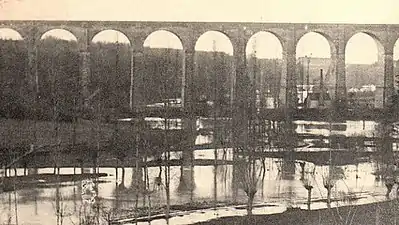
239 33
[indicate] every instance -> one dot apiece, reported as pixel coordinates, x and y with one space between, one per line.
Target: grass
375 213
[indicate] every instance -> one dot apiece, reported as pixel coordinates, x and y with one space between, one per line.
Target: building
319 96
318 99
308 70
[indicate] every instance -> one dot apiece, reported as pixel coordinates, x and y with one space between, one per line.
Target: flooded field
196 193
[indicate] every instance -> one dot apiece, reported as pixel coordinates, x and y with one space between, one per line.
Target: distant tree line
159 77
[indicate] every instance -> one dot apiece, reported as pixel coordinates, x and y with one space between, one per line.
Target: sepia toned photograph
199 112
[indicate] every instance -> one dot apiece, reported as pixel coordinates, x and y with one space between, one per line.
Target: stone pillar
188 66
139 59
241 92
32 78
136 58
283 84
85 73
84 52
289 70
137 62
242 79
340 86
291 79
131 90
31 95
331 83
388 78
232 83
188 104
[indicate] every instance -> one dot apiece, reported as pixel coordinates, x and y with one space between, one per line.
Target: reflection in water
276 187
288 174
284 182
186 184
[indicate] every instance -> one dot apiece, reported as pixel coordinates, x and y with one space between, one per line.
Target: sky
361 49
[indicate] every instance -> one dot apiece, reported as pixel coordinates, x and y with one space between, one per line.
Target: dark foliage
159 77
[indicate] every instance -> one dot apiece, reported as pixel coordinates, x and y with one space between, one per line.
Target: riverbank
129 216
38 180
375 213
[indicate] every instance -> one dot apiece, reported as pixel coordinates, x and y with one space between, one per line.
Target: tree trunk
309 197
250 204
377 216
329 197
302 164
389 189
82 171
25 169
123 175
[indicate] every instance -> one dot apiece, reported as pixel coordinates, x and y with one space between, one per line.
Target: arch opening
160 82
60 34
364 60
163 39
110 36
214 73
111 71
10 34
316 76
15 96
58 75
264 54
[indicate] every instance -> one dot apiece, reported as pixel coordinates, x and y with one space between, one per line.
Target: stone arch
265 69
227 34
309 66
377 41
271 35
66 32
169 31
220 34
12 34
162 68
111 68
214 75
325 35
58 65
279 37
23 31
117 31
15 95
372 72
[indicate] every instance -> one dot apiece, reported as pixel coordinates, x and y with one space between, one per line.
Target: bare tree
329 180
307 184
61 209
249 175
346 218
108 214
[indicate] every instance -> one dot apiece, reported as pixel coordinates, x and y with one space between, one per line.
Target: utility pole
307 74
321 88
255 70
302 79
215 107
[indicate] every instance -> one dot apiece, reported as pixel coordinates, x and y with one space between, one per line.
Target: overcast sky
362 49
